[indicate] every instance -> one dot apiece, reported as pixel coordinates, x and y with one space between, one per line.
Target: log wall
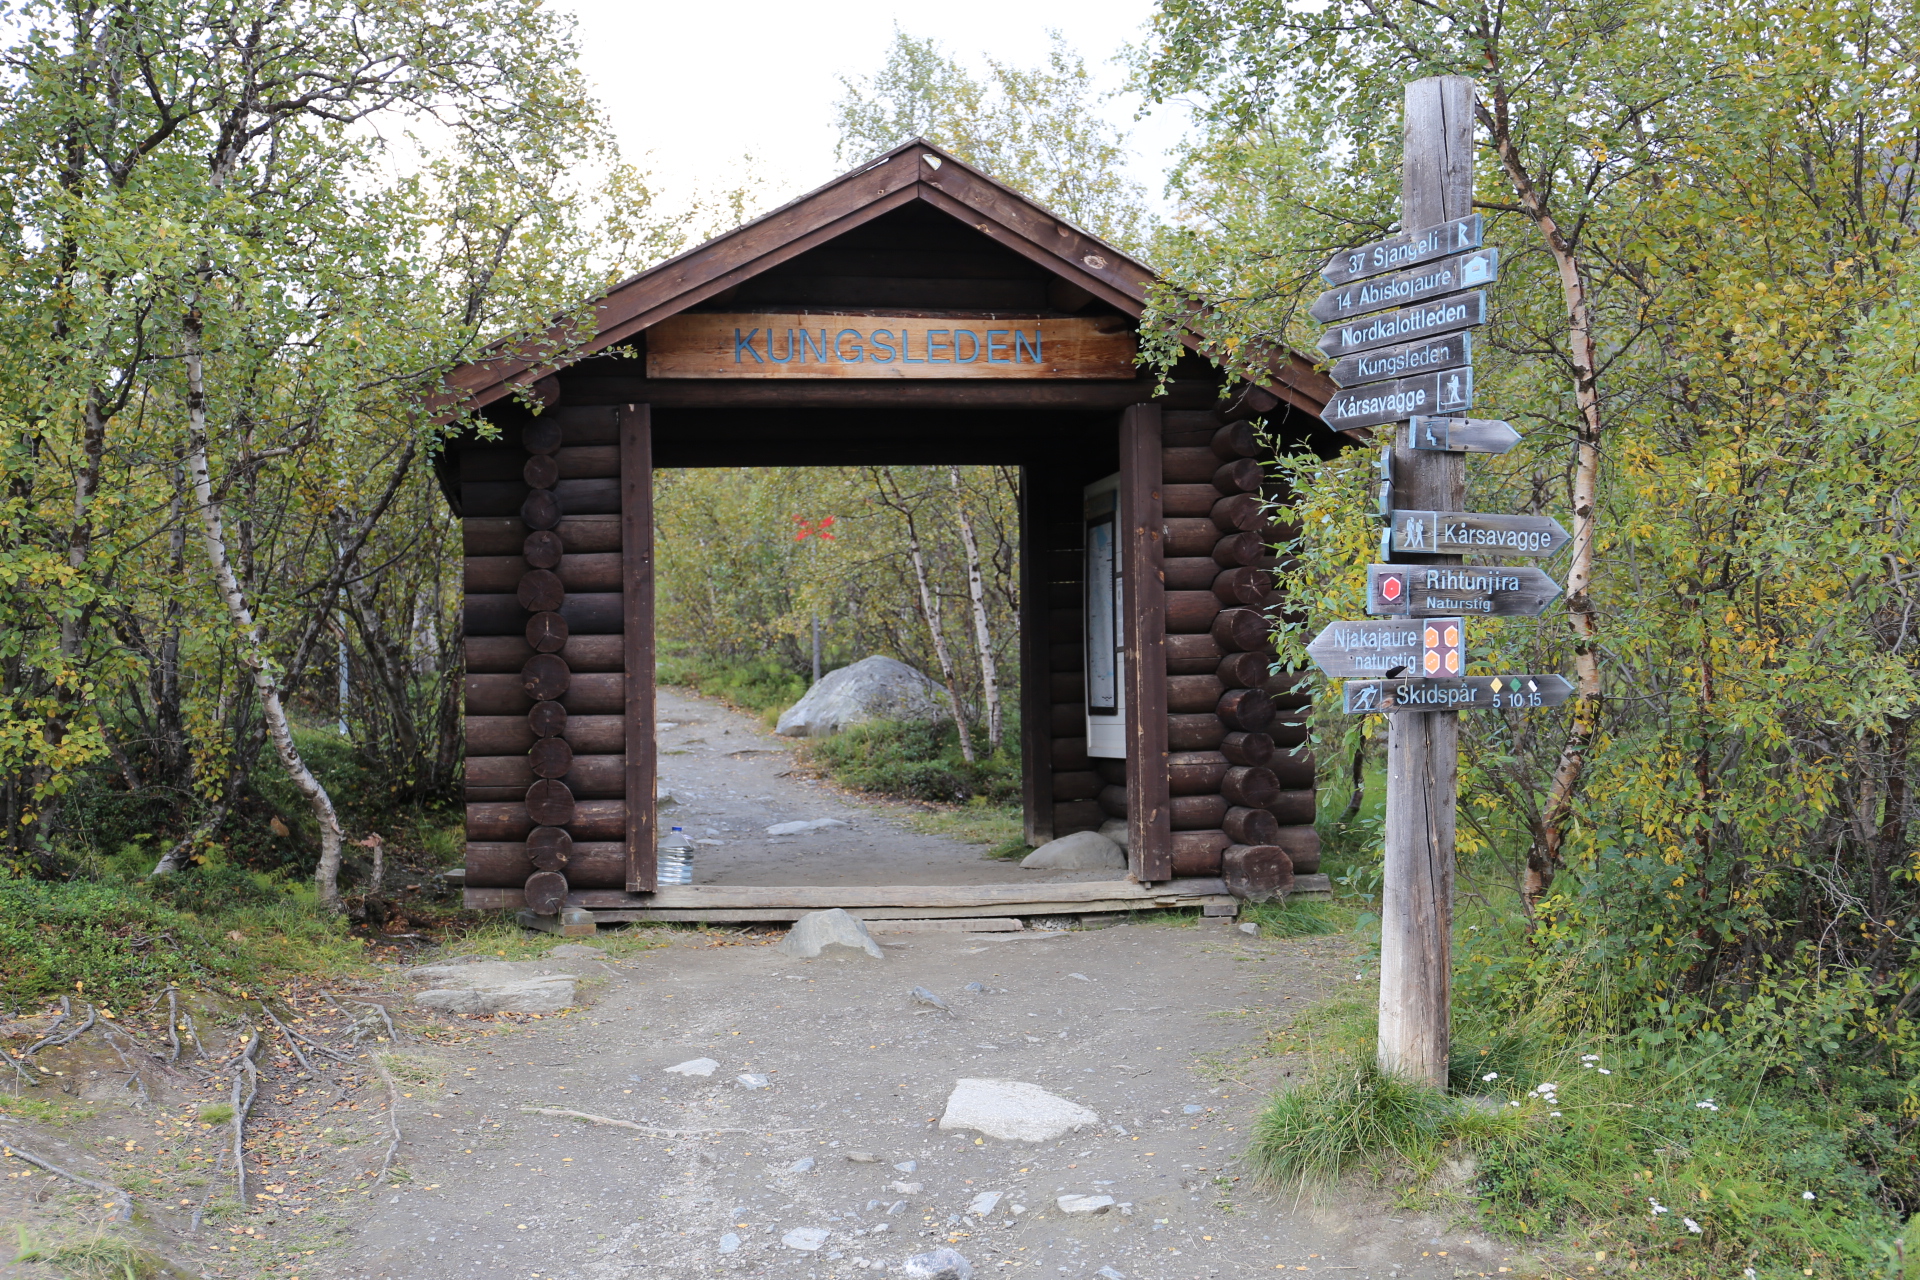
1240 774
547 698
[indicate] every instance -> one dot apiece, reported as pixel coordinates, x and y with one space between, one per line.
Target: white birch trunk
930 611
253 652
982 632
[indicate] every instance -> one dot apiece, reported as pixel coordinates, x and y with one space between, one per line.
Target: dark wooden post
1144 642
636 571
1416 913
1036 641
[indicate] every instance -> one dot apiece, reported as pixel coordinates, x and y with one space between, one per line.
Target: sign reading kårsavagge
1443 590
812 345
1459 533
1404 250
1474 693
1378 402
1444 316
1435 279
1461 435
1448 351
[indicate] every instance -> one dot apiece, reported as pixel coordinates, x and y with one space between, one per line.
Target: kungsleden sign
1448 351
813 345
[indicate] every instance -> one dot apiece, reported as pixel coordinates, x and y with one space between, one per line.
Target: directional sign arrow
1448 351
1375 648
1379 402
1474 693
1460 435
1449 275
1447 590
1403 250
1459 533
1462 311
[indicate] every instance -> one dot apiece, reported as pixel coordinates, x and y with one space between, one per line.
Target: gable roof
916 170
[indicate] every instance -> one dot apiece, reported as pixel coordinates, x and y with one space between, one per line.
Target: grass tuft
1348 1114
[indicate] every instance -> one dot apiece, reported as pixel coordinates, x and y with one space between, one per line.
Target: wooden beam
1149 804
636 551
1036 754
596 386
1423 758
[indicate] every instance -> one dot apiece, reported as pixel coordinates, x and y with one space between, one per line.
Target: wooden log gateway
557 510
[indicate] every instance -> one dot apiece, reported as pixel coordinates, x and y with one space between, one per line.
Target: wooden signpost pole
1416 917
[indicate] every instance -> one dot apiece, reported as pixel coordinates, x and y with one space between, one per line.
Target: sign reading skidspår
1473 693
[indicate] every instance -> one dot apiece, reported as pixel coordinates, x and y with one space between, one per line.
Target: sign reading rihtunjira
812 345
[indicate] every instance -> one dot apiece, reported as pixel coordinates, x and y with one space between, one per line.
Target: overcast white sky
698 85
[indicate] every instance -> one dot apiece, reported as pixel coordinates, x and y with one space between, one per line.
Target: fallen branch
173 1024
314 1045
121 1198
381 1009
393 1117
246 1069
641 1128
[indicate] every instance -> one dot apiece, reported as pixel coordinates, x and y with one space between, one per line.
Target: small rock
1013 1111
753 1080
801 828
1083 977
923 996
1084 1204
863 1157
906 1188
977 988
803 1165
694 1067
877 1228
807 1238
1192 1109
983 1204
1081 851
1019 1209
576 951
1108 1273
908 1166
817 931
1252 931
941 1264
729 1242
892 1209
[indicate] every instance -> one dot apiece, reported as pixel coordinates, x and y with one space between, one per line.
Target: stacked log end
1241 776
546 682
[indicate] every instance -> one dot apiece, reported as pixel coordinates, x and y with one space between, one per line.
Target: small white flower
1749 1273
1658 1208
1553 1113
1708 1105
1491 1075
1692 1225
1548 1087
1605 1072
1589 1057
1513 1104
1806 1195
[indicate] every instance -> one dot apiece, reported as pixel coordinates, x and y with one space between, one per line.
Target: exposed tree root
244 1070
393 1116
123 1202
649 1130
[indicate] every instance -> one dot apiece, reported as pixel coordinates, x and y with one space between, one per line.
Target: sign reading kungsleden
698 344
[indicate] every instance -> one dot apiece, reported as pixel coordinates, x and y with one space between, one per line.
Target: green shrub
1347 1114
916 760
761 685
123 942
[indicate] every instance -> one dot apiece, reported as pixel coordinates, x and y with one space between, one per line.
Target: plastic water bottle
676 858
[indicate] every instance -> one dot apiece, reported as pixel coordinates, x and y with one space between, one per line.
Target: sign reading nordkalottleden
812 345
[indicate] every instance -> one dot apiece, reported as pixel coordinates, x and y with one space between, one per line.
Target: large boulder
873 688
1081 851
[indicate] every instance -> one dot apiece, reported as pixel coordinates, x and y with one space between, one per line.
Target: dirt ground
1161 1027
731 779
